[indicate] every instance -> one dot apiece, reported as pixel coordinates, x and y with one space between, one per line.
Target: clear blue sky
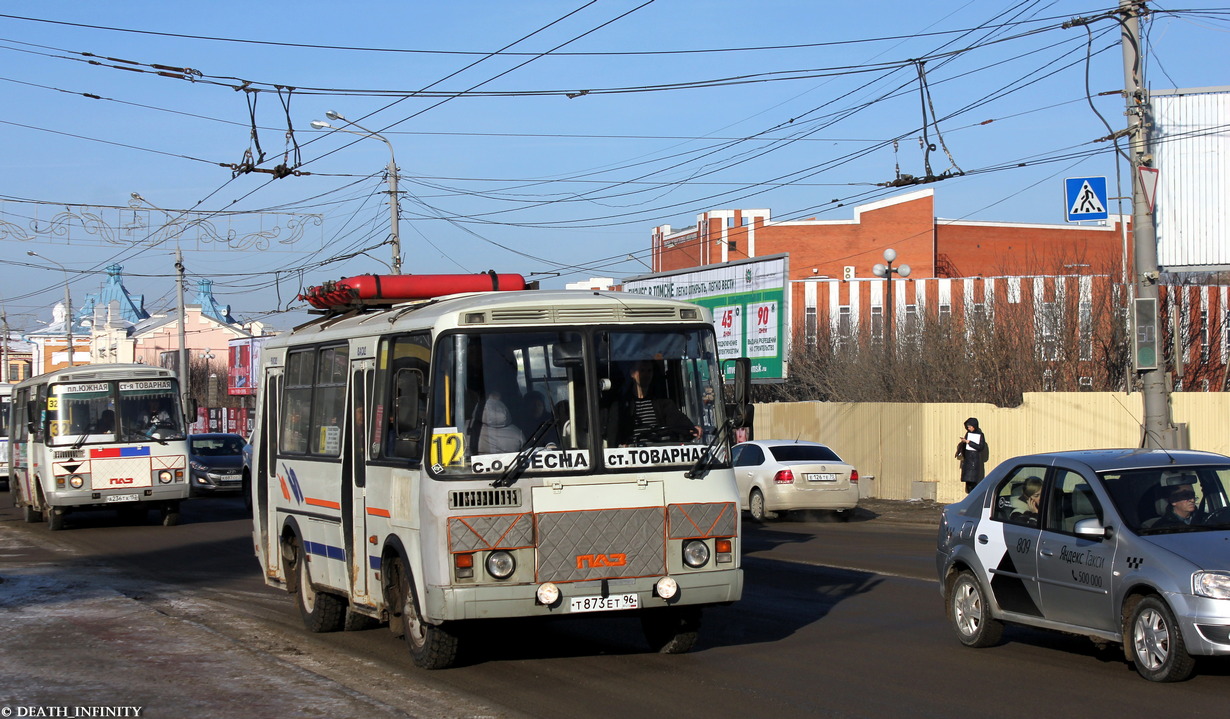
793 107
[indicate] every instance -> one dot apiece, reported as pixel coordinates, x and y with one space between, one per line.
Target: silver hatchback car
1122 545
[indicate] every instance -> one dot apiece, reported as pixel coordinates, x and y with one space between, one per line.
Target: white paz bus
105 436
443 460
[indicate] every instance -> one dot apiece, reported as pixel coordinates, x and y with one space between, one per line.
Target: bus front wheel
55 519
432 646
672 630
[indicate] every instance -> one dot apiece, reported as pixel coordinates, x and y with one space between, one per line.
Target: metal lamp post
393 203
887 271
68 303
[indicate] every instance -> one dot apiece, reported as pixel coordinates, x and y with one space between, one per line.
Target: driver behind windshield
640 418
1182 509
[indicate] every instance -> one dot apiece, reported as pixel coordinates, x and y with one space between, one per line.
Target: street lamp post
393 203
887 271
68 303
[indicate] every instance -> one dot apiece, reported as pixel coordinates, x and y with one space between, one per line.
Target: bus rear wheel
321 611
432 646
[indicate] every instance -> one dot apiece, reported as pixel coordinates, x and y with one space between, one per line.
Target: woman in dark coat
973 452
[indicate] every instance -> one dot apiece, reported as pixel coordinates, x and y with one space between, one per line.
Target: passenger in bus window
497 434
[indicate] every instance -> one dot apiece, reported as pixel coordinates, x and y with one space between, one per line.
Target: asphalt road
838 619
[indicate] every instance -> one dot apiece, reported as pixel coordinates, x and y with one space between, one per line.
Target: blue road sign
1084 198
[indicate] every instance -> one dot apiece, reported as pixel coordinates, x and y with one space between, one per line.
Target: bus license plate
824 477
123 497
602 604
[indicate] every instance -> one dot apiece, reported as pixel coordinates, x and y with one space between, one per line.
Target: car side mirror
1092 529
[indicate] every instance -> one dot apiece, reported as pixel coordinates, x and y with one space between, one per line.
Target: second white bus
105 436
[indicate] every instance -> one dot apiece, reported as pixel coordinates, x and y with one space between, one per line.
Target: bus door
265 471
355 457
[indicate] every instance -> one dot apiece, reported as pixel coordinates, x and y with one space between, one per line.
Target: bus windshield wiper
699 469
524 455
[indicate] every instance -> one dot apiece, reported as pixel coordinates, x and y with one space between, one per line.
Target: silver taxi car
1122 545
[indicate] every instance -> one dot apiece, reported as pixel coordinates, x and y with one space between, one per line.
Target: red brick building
1058 281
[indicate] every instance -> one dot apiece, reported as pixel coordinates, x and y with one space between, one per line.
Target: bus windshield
557 397
125 411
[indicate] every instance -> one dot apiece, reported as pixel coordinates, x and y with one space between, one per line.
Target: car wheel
432 646
672 630
1156 643
969 613
755 505
245 488
321 611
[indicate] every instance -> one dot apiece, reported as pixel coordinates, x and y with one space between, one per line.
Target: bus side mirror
740 412
192 409
406 405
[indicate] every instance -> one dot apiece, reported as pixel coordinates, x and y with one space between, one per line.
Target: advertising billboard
748 299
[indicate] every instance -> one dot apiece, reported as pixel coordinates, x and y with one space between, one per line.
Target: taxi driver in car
1182 509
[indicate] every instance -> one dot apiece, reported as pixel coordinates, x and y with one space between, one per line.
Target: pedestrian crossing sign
1085 198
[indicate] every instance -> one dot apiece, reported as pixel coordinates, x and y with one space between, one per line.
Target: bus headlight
165 476
76 481
500 564
666 587
695 553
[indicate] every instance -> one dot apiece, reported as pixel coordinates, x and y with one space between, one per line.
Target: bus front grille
601 544
476 498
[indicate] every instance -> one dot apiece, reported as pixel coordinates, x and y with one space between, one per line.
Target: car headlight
165 476
500 564
76 481
198 466
1214 585
695 553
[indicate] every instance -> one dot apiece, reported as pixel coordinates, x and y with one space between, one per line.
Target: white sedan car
777 475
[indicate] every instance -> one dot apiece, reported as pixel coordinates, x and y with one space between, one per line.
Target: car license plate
123 497
821 477
602 604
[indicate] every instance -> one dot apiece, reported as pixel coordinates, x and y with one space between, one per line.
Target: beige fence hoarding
908 449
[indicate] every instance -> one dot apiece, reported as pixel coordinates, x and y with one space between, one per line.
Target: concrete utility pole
1157 429
183 346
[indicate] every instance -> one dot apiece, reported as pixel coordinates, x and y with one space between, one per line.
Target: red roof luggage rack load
392 289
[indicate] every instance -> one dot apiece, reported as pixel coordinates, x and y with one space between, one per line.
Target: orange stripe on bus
321 503
378 512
